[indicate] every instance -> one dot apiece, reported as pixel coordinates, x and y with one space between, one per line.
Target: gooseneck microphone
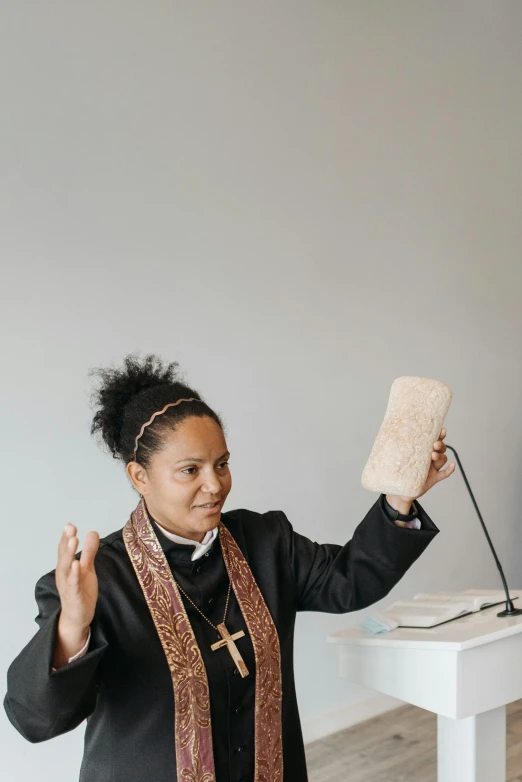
510 609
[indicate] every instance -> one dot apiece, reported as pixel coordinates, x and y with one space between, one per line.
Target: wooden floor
398 746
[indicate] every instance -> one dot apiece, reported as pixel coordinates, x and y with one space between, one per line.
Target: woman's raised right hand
77 586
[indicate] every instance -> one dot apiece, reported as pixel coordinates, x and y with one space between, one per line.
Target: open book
431 610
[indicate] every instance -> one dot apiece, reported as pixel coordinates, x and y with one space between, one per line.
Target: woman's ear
138 477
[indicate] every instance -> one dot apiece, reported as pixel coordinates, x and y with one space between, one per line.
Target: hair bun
119 386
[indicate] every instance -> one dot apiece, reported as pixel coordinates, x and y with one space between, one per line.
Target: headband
159 412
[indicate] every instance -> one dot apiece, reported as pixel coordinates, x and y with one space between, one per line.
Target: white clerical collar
199 548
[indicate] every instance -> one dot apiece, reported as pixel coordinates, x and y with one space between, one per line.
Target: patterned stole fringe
192 729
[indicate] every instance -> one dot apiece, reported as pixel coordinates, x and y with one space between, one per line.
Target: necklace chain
199 609
201 612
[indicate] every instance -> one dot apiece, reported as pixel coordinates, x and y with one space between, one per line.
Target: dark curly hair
127 397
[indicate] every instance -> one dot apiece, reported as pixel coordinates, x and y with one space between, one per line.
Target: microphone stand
510 609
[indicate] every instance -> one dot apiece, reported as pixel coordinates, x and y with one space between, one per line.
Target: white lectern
465 671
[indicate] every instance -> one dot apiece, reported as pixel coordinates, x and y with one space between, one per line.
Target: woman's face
190 471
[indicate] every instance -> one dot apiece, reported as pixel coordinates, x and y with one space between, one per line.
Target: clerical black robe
123 686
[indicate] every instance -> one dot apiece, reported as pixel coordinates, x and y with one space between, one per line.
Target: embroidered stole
192 728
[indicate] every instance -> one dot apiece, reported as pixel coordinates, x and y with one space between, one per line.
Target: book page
475 599
486 597
424 614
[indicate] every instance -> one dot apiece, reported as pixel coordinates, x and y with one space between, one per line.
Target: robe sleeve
337 579
41 703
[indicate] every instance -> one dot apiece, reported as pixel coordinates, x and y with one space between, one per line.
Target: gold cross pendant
228 641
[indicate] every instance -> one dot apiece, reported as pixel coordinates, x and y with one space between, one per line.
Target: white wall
299 201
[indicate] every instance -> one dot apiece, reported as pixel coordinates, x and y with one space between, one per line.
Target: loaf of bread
401 456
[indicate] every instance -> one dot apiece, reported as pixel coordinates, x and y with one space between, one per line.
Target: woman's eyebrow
201 461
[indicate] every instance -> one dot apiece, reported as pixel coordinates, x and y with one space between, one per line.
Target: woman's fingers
439 449
67 574
67 548
438 459
76 578
73 578
90 547
69 532
439 445
69 558
443 474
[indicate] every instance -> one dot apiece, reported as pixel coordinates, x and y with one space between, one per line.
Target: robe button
237 709
210 600
198 569
240 749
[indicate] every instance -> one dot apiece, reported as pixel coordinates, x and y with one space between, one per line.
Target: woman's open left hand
76 580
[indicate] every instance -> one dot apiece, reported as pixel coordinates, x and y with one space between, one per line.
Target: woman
173 636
